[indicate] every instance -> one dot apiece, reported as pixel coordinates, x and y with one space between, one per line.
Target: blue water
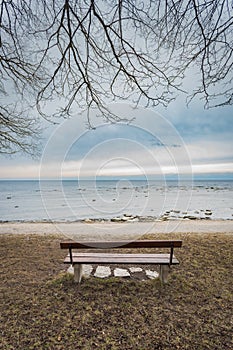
73 200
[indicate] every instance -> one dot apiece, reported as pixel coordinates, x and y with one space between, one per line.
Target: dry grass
41 307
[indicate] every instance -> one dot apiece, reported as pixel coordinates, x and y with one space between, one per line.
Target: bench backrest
121 244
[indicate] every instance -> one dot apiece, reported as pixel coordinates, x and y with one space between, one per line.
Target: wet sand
109 230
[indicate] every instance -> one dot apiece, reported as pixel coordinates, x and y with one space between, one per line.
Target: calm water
73 200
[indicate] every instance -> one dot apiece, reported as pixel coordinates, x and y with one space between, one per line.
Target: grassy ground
41 307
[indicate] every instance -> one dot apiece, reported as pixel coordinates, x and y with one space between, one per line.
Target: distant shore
110 230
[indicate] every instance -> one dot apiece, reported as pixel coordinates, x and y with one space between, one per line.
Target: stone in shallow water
152 274
135 269
102 271
88 221
121 273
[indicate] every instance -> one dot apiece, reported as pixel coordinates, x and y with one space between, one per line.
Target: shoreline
113 230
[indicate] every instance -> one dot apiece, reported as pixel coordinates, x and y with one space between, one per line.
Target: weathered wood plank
121 244
109 258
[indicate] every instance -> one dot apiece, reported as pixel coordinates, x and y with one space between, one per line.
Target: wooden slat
121 244
109 258
124 255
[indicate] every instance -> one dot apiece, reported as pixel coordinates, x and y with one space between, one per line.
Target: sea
115 200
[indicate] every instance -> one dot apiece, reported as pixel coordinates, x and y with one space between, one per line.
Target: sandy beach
108 230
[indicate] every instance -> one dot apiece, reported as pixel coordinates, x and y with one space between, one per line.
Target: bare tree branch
85 54
18 133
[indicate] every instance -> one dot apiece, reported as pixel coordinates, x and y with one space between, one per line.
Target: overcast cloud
178 140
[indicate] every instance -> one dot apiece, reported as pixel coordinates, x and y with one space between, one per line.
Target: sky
177 140
174 141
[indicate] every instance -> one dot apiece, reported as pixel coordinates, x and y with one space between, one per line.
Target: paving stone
121 273
152 274
87 270
70 270
135 269
102 271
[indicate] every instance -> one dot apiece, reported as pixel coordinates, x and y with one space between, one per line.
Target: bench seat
111 258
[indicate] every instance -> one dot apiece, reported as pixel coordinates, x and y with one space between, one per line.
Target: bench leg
78 273
163 273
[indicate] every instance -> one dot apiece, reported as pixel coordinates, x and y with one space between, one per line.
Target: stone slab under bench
106 271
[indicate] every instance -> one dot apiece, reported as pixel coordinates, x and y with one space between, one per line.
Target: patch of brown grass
41 307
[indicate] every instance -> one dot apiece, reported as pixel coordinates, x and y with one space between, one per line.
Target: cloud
128 157
153 146
210 152
20 171
132 159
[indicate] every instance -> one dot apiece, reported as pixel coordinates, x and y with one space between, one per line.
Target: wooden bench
101 256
